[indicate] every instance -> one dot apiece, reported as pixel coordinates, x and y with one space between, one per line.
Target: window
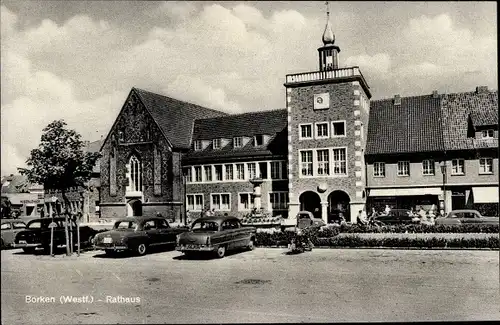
379 169
195 202
403 168
229 172
339 161
6 226
208 173
278 200
263 170
189 175
338 129
135 179
197 145
252 171
305 131
323 162
485 166
428 167
457 167
306 163
259 140
197 174
487 134
238 142
221 202
240 171
322 130
218 172
216 143
246 201
276 169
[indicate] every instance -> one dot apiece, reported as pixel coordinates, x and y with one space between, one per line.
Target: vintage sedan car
303 219
10 228
216 235
137 234
456 217
37 234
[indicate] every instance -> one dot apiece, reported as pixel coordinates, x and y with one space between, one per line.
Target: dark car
37 234
396 216
216 235
136 234
10 228
456 217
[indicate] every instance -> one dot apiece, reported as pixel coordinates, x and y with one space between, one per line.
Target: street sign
52 225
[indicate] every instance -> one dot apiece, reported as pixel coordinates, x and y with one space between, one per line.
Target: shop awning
405 191
486 194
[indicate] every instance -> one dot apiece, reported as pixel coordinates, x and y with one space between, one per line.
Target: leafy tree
60 163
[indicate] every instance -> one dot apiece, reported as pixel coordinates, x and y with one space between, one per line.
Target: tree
60 163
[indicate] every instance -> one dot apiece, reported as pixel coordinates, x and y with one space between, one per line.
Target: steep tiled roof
272 123
15 184
247 124
413 126
481 107
175 117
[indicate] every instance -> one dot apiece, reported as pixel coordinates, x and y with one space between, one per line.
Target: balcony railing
324 75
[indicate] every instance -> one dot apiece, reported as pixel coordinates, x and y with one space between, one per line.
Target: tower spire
328 36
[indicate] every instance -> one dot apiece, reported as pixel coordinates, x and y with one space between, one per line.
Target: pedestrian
208 213
422 214
212 213
387 209
361 218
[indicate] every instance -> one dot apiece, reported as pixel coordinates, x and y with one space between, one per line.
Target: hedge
330 239
419 228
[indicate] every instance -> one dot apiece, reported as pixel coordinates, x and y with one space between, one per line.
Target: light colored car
456 217
216 235
10 228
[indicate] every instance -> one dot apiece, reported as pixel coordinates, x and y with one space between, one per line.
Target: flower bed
330 238
412 228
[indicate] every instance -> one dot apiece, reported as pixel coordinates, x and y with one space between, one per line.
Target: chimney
397 100
481 89
435 94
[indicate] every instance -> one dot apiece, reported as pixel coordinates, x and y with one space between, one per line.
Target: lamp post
443 172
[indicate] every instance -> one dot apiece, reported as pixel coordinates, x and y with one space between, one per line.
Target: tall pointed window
135 174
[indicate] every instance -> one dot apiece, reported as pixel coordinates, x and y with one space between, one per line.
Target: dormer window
487 134
197 145
238 142
217 143
259 140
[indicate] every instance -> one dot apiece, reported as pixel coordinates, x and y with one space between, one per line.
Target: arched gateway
338 202
134 208
310 201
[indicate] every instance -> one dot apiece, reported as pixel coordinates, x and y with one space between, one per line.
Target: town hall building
331 150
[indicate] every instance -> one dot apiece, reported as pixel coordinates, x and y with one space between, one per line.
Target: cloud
378 64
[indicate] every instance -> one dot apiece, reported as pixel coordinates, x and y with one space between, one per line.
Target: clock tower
327 124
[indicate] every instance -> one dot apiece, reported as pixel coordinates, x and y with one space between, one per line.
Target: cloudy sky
77 60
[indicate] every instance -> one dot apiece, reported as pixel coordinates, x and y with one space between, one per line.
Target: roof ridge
246 113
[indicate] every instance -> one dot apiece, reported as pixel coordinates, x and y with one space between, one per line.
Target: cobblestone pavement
264 285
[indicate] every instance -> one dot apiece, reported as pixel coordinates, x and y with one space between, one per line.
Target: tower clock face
322 101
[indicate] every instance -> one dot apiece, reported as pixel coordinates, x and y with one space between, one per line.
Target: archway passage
135 208
310 201
338 203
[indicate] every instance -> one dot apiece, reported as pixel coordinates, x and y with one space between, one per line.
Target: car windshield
200 226
19 225
125 225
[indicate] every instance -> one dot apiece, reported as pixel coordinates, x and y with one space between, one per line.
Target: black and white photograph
211 162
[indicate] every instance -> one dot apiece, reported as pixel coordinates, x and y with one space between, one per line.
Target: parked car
37 234
396 216
456 217
302 217
216 235
137 234
10 227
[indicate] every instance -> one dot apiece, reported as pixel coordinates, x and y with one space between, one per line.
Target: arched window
135 174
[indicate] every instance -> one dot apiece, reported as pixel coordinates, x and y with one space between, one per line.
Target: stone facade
135 133
346 99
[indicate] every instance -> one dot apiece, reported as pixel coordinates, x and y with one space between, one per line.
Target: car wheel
251 244
221 251
89 241
141 249
29 250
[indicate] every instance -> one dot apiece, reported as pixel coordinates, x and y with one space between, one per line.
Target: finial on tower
328 36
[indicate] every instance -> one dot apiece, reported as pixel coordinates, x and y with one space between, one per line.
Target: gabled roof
481 107
272 123
15 184
413 126
246 124
484 118
175 117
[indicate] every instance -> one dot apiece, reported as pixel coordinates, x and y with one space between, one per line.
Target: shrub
418 228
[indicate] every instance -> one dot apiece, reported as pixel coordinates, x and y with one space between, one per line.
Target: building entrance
338 203
310 201
134 208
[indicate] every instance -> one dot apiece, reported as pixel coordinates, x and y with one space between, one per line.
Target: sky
78 60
